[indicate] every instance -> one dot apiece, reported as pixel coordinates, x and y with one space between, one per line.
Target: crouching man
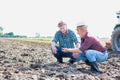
91 51
66 39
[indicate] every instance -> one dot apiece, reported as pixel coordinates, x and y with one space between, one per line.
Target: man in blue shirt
66 38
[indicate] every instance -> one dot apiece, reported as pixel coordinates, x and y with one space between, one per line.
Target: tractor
115 37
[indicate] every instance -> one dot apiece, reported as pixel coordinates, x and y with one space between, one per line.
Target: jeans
61 54
92 56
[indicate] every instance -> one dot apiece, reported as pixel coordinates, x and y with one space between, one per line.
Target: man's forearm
75 50
53 44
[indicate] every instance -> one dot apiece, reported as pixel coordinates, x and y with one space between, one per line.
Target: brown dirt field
17 59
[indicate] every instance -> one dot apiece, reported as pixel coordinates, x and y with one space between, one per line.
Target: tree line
9 34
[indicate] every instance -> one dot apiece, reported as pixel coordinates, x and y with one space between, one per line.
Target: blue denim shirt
65 40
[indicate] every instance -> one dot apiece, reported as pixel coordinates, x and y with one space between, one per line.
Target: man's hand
54 49
75 55
64 49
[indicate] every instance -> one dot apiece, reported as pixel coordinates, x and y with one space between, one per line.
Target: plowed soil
22 60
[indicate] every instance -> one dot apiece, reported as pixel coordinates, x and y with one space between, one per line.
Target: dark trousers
61 54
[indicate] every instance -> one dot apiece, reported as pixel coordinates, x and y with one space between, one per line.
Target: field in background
103 41
39 40
49 40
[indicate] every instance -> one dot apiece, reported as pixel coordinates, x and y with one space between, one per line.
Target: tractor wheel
115 39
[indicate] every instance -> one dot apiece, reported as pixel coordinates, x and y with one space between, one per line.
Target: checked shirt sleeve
55 38
86 44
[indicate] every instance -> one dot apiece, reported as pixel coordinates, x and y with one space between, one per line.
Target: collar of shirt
67 32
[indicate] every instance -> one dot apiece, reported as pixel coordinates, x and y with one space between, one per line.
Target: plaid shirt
66 40
88 43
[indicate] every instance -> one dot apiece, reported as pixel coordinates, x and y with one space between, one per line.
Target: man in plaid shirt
66 39
91 51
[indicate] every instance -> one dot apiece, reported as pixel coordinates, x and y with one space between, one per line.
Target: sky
28 17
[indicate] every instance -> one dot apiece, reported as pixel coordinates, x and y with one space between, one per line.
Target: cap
81 25
61 23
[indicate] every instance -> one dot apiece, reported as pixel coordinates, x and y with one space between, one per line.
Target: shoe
59 60
71 61
94 69
95 73
87 62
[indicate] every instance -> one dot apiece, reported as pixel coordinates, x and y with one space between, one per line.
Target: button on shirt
65 40
91 43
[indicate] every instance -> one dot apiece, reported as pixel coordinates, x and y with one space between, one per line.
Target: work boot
87 62
60 60
94 68
71 61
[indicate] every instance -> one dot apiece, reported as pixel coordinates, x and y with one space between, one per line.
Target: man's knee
58 48
89 53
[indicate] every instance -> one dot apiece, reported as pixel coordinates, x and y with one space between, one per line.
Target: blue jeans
61 54
93 55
